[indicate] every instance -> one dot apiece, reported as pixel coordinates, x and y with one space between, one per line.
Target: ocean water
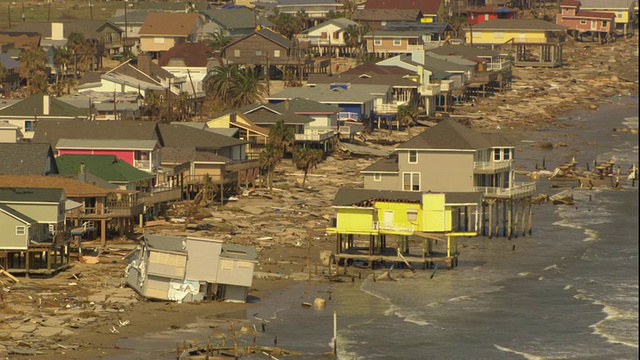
568 291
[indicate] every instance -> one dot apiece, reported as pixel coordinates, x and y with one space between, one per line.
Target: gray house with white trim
187 269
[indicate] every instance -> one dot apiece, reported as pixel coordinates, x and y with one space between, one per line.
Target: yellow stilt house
410 217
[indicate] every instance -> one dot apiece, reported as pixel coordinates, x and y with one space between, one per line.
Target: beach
563 292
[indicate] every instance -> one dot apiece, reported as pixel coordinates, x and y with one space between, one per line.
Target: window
412 215
227 265
29 125
397 41
506 154
411 181
276 53
604 24
619 15
336 35
486 17
258 52
323 35
236 53
583 22
377 41
413 156
377 177
20 230
496 154
158 40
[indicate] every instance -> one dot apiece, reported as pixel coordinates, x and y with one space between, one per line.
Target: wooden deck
390 255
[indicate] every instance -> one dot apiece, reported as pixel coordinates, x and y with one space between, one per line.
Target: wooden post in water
510 222
497 224
335 334
490 227
530 218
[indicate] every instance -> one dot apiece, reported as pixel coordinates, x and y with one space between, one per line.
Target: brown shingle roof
190 54
52 131
386 15
169 24
451 135
72 187
426 6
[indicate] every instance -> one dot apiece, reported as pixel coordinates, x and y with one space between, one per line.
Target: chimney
57 31
144 63
287 104
46 104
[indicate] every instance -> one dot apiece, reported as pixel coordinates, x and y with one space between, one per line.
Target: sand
73 315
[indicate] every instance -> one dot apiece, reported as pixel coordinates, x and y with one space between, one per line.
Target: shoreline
94 338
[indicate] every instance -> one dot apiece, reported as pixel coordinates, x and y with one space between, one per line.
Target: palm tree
407 115
217 40
220 81
248 88
34 63
280 140
305 159
236 87
354 38
74 42
152 105
287 24
61 59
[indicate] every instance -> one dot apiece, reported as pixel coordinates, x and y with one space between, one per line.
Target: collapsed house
186 269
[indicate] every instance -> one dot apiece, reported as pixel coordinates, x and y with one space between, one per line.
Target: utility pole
126 28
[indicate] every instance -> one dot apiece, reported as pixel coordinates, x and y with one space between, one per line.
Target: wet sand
91 303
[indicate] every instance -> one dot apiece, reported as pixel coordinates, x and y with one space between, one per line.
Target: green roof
107 167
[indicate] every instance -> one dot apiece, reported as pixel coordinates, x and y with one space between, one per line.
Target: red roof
192 54
595 15
571 3
426 6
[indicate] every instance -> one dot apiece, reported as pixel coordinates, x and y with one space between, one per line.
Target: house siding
203 260
387 181
235 272
249 48
11 241
42 213
501 37
124 155
356 219
441 171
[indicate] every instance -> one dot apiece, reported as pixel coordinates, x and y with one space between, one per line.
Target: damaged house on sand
187 269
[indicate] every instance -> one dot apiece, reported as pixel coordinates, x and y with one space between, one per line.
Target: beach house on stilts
446 182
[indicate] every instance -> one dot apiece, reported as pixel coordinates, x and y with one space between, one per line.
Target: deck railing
518 189
489 166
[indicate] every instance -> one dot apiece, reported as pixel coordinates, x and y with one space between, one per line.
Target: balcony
498 66
491 167
519 189
386 109
397 229
345 115
314 135
430 89
144 165
349 129
125 208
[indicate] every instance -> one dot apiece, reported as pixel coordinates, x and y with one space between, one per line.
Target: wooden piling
510 220
530 218
490 227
